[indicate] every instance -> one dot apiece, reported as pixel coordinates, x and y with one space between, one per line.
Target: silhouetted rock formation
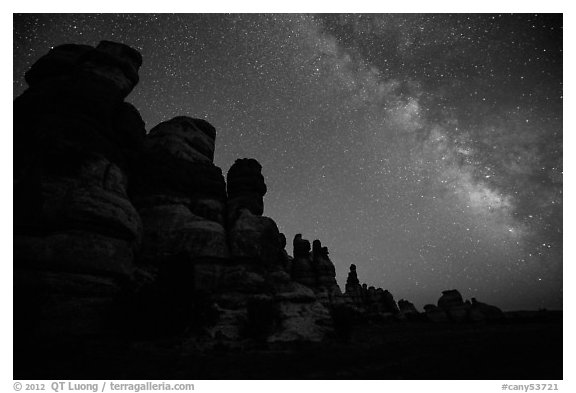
452 303
353 287
326 287
315 269
484 312
370 299
252 236
71 160
302 270
111 224
450 298
287 259
452 307
407 307
110 63
323 266
435 313
246 188
75 228
180 193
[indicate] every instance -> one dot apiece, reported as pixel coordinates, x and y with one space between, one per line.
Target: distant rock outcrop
451 307
450 298
451 302
435 313
376 301
482 311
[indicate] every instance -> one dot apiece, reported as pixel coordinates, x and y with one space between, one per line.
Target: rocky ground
521 348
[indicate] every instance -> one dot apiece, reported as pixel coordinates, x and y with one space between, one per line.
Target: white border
381 6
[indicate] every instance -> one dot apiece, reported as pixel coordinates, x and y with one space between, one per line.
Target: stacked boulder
243 290
315 269
302 270
287 259
353 287
380 301
253 237
246 188
181 195
326 287
75 144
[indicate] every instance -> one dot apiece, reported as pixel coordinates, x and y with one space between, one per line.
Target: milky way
426 149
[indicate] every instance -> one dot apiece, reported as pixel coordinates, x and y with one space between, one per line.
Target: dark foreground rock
76 230
398 351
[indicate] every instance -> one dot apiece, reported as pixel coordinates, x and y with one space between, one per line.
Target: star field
426 149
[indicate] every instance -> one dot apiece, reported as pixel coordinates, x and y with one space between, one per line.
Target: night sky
426 149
